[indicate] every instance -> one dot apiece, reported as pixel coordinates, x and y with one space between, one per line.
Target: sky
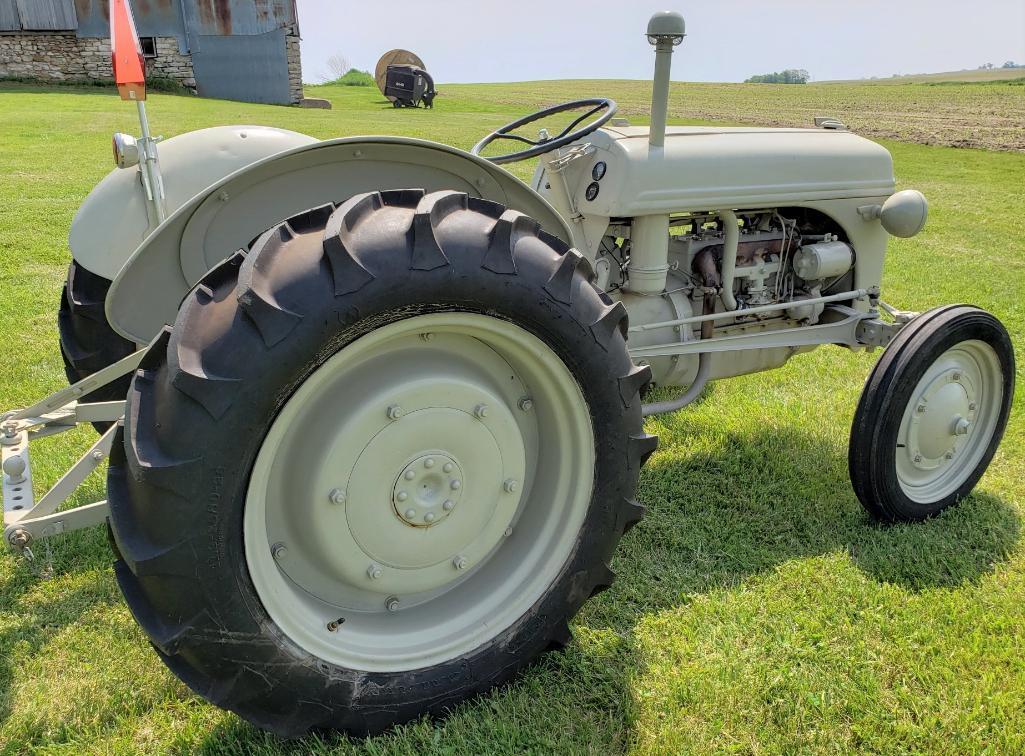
727 40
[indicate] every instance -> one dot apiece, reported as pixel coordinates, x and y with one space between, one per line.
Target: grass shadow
43 607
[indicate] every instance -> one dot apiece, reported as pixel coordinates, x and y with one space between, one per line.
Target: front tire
932 414
378 464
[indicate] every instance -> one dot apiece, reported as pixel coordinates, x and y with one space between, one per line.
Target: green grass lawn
757 608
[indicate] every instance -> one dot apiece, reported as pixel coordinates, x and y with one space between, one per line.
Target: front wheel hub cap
949 421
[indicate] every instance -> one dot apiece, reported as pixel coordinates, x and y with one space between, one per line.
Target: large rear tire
87 341
378 464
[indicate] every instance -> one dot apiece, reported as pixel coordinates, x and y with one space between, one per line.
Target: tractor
373 408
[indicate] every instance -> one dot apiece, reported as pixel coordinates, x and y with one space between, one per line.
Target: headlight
126 151
904 213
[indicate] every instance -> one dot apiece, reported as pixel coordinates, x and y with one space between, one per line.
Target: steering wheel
541 146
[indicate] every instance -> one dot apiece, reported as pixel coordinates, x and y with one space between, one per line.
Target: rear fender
230 214
112 221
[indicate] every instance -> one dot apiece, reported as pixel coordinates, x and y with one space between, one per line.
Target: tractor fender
229 215
112 222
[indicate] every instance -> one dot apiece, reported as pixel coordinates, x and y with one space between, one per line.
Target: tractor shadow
756 500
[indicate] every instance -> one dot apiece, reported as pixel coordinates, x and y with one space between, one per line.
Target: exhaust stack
666 31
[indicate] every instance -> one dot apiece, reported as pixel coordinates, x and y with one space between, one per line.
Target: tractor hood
708 168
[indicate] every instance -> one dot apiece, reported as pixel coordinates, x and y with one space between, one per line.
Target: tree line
789 76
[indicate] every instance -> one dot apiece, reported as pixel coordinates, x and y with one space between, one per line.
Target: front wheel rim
419 492
949 422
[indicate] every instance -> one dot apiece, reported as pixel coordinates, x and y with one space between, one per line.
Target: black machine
410 86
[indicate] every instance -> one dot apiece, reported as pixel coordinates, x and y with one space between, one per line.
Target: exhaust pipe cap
666 26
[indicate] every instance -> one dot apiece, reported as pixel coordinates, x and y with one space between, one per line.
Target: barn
233 49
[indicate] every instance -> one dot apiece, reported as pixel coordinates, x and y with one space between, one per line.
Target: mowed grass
757 608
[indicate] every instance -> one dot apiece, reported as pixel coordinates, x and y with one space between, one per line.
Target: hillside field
757 608
967 75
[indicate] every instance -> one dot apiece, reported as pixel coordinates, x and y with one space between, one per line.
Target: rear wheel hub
408 490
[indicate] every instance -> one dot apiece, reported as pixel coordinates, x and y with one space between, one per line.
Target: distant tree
789 76
337 66
985 66
1010 64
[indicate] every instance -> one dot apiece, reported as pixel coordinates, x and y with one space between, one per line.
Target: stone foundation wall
295 69
57 56
65 57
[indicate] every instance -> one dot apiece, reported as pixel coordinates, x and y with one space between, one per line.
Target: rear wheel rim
949 422
419 492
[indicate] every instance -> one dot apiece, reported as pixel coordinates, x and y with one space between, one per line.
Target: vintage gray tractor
386 447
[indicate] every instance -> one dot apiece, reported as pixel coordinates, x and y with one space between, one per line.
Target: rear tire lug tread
349 274
613 318
630 513
168 639
563 280
254 296
508 229
633 385
602 578
562 636
430 212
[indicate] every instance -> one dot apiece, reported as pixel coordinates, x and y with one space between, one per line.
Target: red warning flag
126 52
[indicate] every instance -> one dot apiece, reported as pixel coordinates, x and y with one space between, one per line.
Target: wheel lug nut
972 407
409 475
337 496
410 514
447 467
428 463
426 336
949 455
402 496
459 563
374 572
392 604
448 505
429 517
394 412
279 550
918 458
456 485
480 411
526 404
510 485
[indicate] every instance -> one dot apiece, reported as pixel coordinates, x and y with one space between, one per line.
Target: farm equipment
410 87
403 79
373 407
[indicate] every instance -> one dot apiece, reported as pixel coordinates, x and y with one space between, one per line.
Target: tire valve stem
335 624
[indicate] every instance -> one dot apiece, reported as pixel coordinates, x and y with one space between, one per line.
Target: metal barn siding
9 18
252 68
185 19
153 18
38 15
